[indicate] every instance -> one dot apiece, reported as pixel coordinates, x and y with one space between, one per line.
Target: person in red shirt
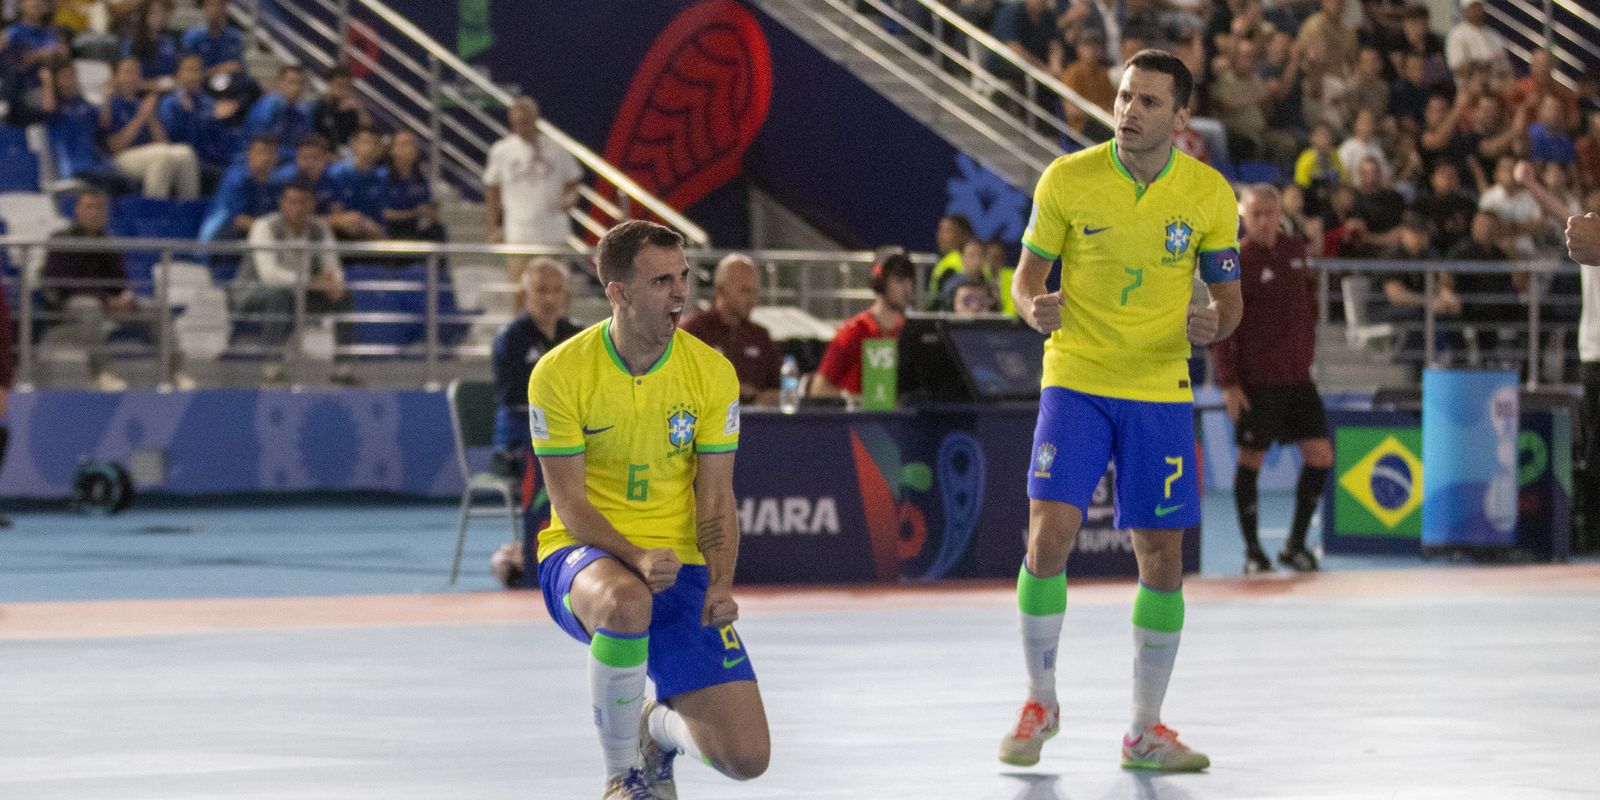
726 326
894 281
1264 370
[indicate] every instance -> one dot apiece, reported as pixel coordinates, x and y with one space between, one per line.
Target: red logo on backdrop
896 528
695 105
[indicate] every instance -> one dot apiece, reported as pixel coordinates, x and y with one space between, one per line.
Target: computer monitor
944 358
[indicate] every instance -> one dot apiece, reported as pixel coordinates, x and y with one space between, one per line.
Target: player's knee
1252 459
744 761
626 606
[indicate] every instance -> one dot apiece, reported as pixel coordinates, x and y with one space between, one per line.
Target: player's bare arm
564 478
1583 238
1041 310
717 535
1216 320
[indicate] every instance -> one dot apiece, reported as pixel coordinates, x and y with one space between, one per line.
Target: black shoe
5 521
1299 560
1257 563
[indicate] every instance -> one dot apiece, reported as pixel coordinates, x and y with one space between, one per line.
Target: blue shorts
1151 444
684 655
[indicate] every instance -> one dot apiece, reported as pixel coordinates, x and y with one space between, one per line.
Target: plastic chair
1358 332
472 412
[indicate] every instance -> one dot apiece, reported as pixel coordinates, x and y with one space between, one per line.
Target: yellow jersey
640 435
1128 254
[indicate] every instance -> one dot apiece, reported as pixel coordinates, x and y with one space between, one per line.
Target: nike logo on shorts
1162 511
730 663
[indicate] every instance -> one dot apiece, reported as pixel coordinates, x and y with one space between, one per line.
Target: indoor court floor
316 653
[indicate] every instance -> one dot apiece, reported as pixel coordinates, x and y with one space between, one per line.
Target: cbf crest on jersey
1179 234
680 427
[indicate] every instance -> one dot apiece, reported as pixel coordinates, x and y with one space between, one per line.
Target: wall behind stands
685 79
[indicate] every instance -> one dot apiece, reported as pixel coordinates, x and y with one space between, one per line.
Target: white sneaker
630 785
657 762
1035 724
107 382
1157 747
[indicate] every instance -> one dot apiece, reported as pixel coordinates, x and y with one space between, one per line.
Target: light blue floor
371 549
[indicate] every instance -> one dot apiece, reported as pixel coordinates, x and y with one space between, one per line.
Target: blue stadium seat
19 166
412 302
1259 172
144 217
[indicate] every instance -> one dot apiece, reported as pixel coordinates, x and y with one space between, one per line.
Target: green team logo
1380 481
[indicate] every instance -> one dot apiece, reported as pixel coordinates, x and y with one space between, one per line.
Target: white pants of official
165 170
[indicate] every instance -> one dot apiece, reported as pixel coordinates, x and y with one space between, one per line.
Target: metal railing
1536 24
1537 332
955 39
826 284
421 85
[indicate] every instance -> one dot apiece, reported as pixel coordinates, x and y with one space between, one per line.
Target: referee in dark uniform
1264 370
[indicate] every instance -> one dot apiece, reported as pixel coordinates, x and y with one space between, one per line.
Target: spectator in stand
1240 99
1491 135
1473 44
1325 83
727 327
974 297
1264 370
1319 166
1377 203
1489 299
954 232
1286 111
1088 76
270 276
1419 40
221 50
340 112
1531 90
247 193
1518 210
1587 154
153 46
32 49
361 189
312 157
1447 210
1371 90
1442 140
72 127
1364 144
411 212
72 19
1326 29
1105 17
92 292
1406 292
972 271
894 282
191 117
284 115
529 184
1028 28
138 144
1547 136
1551 188
541 325
1583 246
1409 94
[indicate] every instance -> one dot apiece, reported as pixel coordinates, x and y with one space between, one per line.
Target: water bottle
789 386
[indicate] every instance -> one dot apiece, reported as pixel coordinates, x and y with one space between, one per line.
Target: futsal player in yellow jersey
635 424
1131 220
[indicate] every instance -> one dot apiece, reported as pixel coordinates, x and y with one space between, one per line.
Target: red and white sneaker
1035 724
1157 747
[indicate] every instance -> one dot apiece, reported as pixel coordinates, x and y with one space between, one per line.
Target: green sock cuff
1041 597
620 650
1158 610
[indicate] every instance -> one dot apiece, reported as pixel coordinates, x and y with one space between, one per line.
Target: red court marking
117 618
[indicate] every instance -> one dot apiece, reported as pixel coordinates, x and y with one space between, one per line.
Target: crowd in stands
180 120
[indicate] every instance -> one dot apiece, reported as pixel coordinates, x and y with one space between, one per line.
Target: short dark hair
300 184
897 265
266 139
1168 64
313 140
962 223
614 254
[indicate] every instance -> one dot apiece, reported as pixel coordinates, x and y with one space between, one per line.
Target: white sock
618 694
671 732
1041 638
1154 653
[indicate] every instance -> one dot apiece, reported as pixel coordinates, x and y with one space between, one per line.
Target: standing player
1264 370
635 424
1131 220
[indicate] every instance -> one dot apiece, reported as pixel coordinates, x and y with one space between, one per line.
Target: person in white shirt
268 278
529 185
1517 208
1364 144
1583 245
1473 44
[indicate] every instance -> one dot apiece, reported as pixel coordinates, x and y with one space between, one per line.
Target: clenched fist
658 568
1046 317
1583 239
1203 325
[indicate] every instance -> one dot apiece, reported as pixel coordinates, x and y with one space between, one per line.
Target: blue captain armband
1219 266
